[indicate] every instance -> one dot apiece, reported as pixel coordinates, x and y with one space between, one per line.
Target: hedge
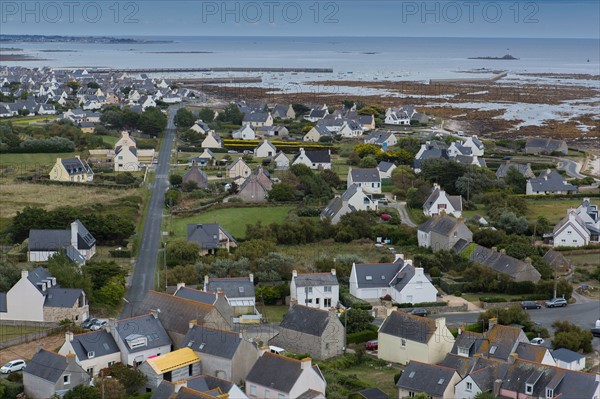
420 304
120 253
449 285
492 299
350 301
361 336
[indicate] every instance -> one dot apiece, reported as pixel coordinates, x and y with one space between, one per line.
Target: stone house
239 292
49 373
443 232
72 170
195 175
256 187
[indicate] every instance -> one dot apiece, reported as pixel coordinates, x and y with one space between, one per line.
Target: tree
110 388
93 85
83 392
189 186
132 379
207 115
484 395
68 274
182 252
516 181
443 172
102 272
152 121
73 85
113 118
512 223
112 292
357 320
571 336
9 275
231 114
368 162
184 118
331 178
282 192
175 180
300 110
367 149
183 274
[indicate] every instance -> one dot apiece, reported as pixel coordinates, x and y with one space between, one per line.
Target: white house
238 170
397 118
316 133
439 202
93 351
549 182
77 242
126 159
212 140
282 162
400 279
315 290
350 129
385 169
265 150
382 139
571 231
353 199
313 159
244 133
567 359
200 127
476 146
367 179
258 119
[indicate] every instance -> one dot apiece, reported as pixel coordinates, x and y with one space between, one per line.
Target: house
534 353
456 148
500 262
498 342
317 133
176 311
273 131
71 170
126 159
195 175
590 215
244 133
385 169
352 200
313 159
400 279
265 150
523 169
436 381
430 150
173 366
316 114
38 297
350 129
274 376
439 202
258 119
249 107
420 118
200 127
557 261
314 331
77 243
368 179
316 290
571 231
476 146
210 237
282 162
481 379
567 359
206 158
536 145
238 170
397 117
87 127
443 232
126 140
48 374
549 182
284 112
212 140
526 379
404 337
256 187
140 338
225 354
239 292
93 351
201 387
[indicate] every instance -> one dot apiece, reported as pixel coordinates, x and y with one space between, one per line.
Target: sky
426 18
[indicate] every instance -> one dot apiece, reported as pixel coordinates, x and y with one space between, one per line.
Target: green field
234 220
274 313
584 259
110 140
552 209
29 160
27 120
10 332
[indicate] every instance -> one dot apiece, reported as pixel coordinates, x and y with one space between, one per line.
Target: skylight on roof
411 375
382 277
441 381
369 278
201 346
493 349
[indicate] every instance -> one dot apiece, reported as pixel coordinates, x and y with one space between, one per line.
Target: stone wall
75 314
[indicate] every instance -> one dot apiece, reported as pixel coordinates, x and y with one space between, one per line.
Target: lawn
32 160
274 313
371 372
474 296
110 140
10 332
552 209
234 220
584 259
28 120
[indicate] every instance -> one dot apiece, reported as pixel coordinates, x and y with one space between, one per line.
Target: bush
458 294
350 301
361 336
120 253
492 299
420 304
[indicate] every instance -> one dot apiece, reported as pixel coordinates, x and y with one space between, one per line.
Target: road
571 167
145 266
401 208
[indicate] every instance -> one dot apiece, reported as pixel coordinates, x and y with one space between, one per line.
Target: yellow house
403 337
72 169
87 127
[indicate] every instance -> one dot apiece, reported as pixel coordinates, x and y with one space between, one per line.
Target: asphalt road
571 168
145 266
401 208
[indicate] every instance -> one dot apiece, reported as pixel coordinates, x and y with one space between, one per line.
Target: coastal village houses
72 170
316 290
439 203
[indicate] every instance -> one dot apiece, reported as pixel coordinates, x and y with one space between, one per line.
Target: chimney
24 273
180 285
333 272
251 277
512 357
494 249
179 384
503 251
301 150
528 260
492 322
69 336
155 312
398 257
440 322
74 233
191 324
294 273
242 332
53 281
70 357
419 271
205 282
263 350
43 287
497 386
460 329
306 363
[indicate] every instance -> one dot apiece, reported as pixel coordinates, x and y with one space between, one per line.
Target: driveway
401 208
571 167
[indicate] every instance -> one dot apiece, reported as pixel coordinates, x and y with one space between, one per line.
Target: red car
372 345
386 217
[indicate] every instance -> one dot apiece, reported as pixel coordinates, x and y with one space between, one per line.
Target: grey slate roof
378 137
256 117
145 325
550 180
409 327
544 144
503 169
208 298
323 131
49 240
310 394
76 166
502 263
441 224
47 365
485 377
533 353
428 378
57 297
373 393
232 287
276 371
384 166
365 175
100 342
213 342
205 382
316 156
566 355
333 207
85 240
206 235
465 365
455 200
305 320
381 274
315 279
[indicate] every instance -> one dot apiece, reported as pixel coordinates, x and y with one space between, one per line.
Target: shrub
458 294
361 336
351 301
492 299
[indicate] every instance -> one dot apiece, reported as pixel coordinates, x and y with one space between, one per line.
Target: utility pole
555 283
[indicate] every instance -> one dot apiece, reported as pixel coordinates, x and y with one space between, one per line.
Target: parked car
556 303
506 158
595 332
372 345
418 312
530 305
13 366
90 321
537 341
98 325
386 217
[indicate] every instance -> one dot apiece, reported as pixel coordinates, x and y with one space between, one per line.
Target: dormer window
369 278
463 352
91 354
241 289
529 388
549 393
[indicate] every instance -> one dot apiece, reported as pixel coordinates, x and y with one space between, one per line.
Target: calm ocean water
351 58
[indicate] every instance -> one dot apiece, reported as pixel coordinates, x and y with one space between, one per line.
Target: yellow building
71 169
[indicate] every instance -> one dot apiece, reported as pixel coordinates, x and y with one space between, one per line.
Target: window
253 390
419 284
91 354
90 371
463 352
327 288
528 388
403 342
493 349
66 379
327 302
469 386
549 393
411 394
317 300
309 290
111 364
281 396
241 289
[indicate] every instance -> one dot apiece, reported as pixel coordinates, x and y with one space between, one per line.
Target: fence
18 330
